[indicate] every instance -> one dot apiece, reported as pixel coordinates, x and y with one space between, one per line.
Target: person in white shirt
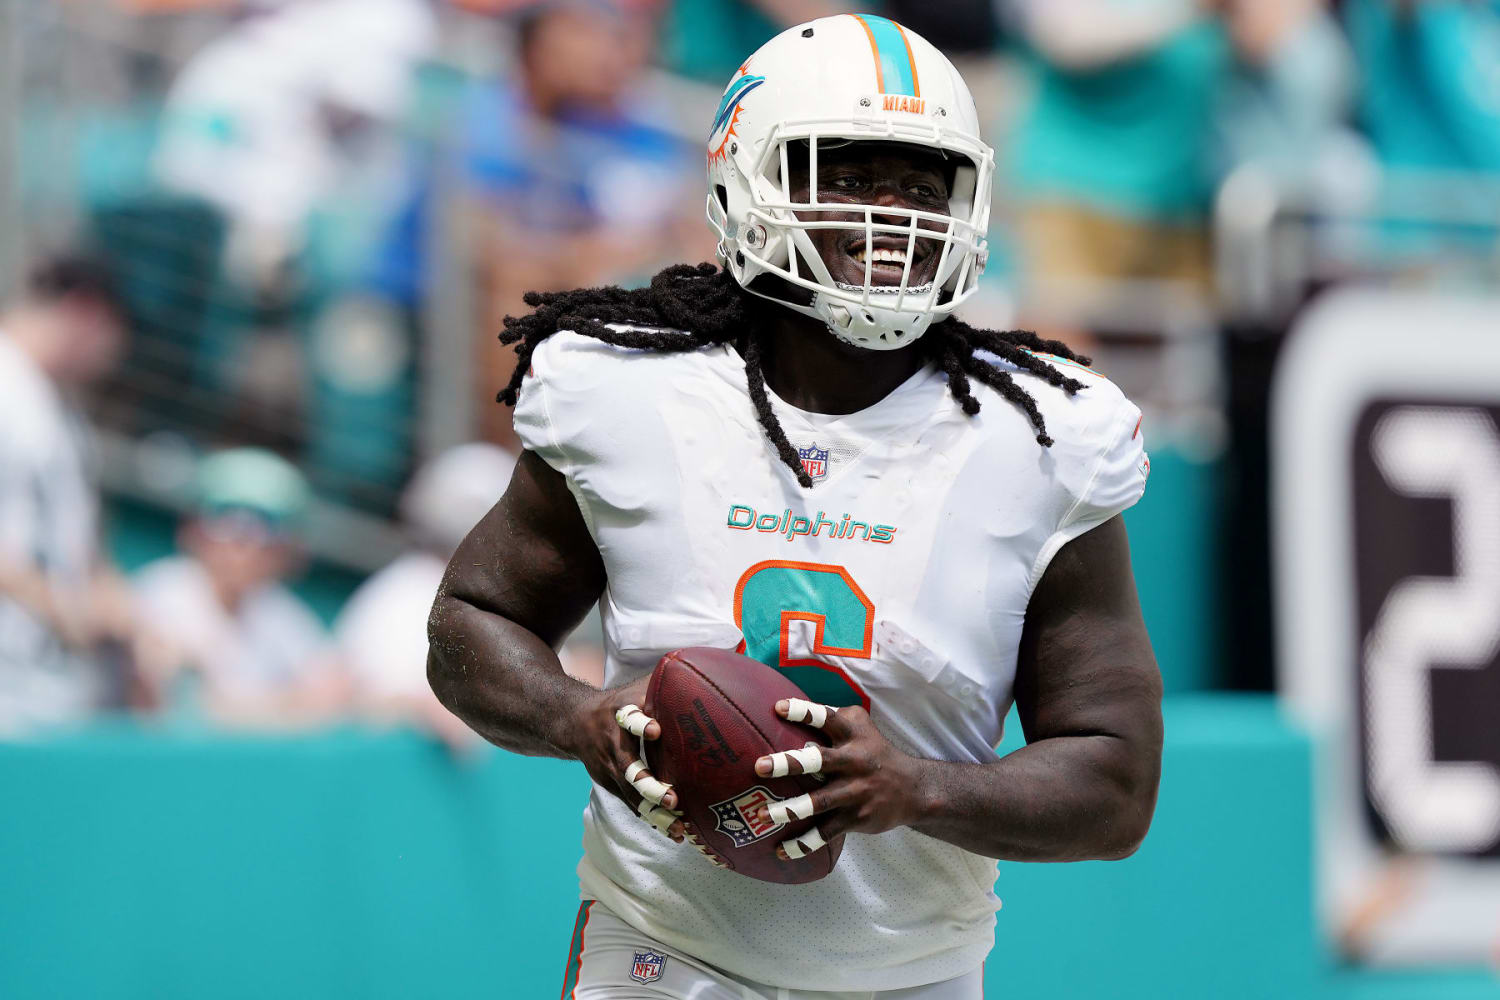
262 655
62 610
291 107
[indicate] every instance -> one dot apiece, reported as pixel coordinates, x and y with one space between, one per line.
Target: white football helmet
851 77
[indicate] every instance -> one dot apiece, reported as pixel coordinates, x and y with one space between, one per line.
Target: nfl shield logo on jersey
744 818
814 460
647 966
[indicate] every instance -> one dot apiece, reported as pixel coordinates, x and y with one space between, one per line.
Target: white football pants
610 960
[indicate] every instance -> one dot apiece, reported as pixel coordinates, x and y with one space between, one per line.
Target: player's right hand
614 726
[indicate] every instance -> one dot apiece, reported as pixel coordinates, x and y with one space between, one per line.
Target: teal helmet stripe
893 59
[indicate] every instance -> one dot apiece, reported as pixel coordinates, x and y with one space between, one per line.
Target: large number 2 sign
1454 622
773 594
1386 499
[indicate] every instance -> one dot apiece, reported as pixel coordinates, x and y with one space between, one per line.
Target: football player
804 454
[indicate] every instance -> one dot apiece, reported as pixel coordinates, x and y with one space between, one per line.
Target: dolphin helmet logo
729 109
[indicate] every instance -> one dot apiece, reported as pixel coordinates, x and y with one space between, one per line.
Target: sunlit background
253 259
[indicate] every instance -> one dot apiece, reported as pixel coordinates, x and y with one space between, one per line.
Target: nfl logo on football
744 817
647 966
814 460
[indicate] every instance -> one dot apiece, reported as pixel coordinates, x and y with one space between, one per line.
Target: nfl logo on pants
647 966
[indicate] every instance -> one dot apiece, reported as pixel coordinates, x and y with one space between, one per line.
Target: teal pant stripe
575 951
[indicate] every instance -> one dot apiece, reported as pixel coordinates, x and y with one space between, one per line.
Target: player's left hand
871 785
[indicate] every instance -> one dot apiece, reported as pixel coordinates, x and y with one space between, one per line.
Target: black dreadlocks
689 306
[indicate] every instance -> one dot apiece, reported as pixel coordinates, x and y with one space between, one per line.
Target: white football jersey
899 581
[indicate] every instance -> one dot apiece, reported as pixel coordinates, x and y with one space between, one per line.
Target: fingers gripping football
801 807
654 806
808 712
638 724
658 800
651 788
801 847
869 782
658 816
809 760
782 813
633 720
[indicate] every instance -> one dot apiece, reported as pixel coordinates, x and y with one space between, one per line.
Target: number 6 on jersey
771 595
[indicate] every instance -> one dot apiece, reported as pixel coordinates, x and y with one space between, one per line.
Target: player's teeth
882 255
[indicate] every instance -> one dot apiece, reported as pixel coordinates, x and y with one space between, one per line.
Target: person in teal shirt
1430 97
707 39
1110 163
1128 135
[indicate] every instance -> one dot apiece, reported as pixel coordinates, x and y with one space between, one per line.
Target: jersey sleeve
1102 467
535 407
584 407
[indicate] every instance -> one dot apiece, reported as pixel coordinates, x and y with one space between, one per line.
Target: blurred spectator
969 33
261 655
1288 95
64 615
382 631
572 179
962 28
1430 95
1112 159
707 39
285 110
1285 106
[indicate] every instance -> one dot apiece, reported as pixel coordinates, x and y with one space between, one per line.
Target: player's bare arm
520 582
1089 696
1088 693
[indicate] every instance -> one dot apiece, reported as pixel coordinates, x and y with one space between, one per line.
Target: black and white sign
1386 527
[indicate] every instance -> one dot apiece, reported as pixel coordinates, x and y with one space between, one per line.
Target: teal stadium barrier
1173 545
162 863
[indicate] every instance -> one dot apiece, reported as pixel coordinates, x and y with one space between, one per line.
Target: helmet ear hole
722 193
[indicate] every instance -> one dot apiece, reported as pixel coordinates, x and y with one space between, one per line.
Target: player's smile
888 257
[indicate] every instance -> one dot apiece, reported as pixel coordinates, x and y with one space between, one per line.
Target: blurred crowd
305 219
213 630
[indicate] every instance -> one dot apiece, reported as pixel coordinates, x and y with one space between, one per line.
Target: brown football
717 711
